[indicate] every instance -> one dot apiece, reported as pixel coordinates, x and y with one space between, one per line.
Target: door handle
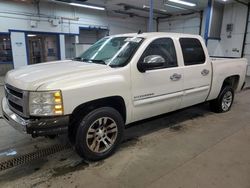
204 72
175 77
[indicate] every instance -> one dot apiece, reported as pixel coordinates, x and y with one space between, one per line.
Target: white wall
181 24
17 16
231 47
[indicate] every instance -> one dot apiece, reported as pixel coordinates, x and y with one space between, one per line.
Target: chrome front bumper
13 119
36 127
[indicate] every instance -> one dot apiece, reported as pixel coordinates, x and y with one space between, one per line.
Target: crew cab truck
118 80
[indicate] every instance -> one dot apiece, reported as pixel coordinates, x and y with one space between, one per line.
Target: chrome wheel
227 101
101 135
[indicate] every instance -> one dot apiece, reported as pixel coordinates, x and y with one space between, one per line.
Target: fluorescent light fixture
174 6
31 35
183 3
87 6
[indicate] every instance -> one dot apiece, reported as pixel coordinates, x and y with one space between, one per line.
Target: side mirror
151 62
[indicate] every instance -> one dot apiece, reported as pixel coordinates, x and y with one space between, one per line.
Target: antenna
139 32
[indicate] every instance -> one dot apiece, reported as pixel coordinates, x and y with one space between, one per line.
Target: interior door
35 50
158 90
197 72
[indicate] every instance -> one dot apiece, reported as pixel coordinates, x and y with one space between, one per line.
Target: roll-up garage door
246 53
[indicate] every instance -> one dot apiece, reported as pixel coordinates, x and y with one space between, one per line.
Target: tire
99 133
224 101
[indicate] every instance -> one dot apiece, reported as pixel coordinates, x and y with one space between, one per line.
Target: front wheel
99 133
224 101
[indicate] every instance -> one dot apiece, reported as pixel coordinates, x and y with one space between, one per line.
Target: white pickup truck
119 80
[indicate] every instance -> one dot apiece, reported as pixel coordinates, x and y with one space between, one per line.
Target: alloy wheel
102 135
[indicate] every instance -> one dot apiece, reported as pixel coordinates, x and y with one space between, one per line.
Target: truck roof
157 34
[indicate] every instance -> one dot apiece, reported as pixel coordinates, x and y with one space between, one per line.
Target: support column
208 20
151 16
62 46
75 46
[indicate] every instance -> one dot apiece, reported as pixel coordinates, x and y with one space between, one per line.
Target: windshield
112 51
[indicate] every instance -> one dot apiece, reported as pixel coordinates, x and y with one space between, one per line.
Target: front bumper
38 126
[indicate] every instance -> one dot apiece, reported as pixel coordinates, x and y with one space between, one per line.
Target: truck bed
223 68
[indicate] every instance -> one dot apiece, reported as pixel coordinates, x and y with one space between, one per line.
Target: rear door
159 90
197 71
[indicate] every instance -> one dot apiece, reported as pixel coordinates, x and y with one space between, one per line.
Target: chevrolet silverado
118 80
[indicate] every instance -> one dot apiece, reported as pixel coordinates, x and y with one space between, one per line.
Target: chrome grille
17 100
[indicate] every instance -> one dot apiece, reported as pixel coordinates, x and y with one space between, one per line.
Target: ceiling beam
128 7
241 2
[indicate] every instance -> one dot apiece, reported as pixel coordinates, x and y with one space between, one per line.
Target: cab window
162 48
192 51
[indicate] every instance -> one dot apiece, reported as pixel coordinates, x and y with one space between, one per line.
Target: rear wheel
99 133
224 101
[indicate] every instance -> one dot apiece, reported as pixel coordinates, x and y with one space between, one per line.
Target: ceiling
135 7
141 7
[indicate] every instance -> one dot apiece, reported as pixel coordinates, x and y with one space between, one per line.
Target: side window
162 48
192 51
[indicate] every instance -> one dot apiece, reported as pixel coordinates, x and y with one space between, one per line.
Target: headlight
47 103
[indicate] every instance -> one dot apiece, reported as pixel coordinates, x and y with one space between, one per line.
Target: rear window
192 51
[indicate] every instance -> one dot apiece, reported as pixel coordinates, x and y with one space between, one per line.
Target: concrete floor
189 148
247 82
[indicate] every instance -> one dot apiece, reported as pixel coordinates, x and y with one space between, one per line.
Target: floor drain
22 159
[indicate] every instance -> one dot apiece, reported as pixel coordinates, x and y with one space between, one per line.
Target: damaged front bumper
35 126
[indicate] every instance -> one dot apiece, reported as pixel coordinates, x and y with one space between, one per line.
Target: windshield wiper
77 59
98 61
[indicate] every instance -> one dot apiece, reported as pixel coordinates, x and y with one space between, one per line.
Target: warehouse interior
189 148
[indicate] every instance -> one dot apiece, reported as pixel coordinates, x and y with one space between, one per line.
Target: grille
16 106
15 93
17 100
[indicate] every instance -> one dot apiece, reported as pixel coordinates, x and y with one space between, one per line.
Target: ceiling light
183 3
87 6
31 35
174 6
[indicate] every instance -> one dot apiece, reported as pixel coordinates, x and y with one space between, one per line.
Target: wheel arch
116 102
232 81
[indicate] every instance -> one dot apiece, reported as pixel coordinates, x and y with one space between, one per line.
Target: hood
31 77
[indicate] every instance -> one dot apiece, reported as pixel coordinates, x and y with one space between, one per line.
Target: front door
157 90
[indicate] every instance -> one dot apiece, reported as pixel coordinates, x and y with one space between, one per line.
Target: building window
5 49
